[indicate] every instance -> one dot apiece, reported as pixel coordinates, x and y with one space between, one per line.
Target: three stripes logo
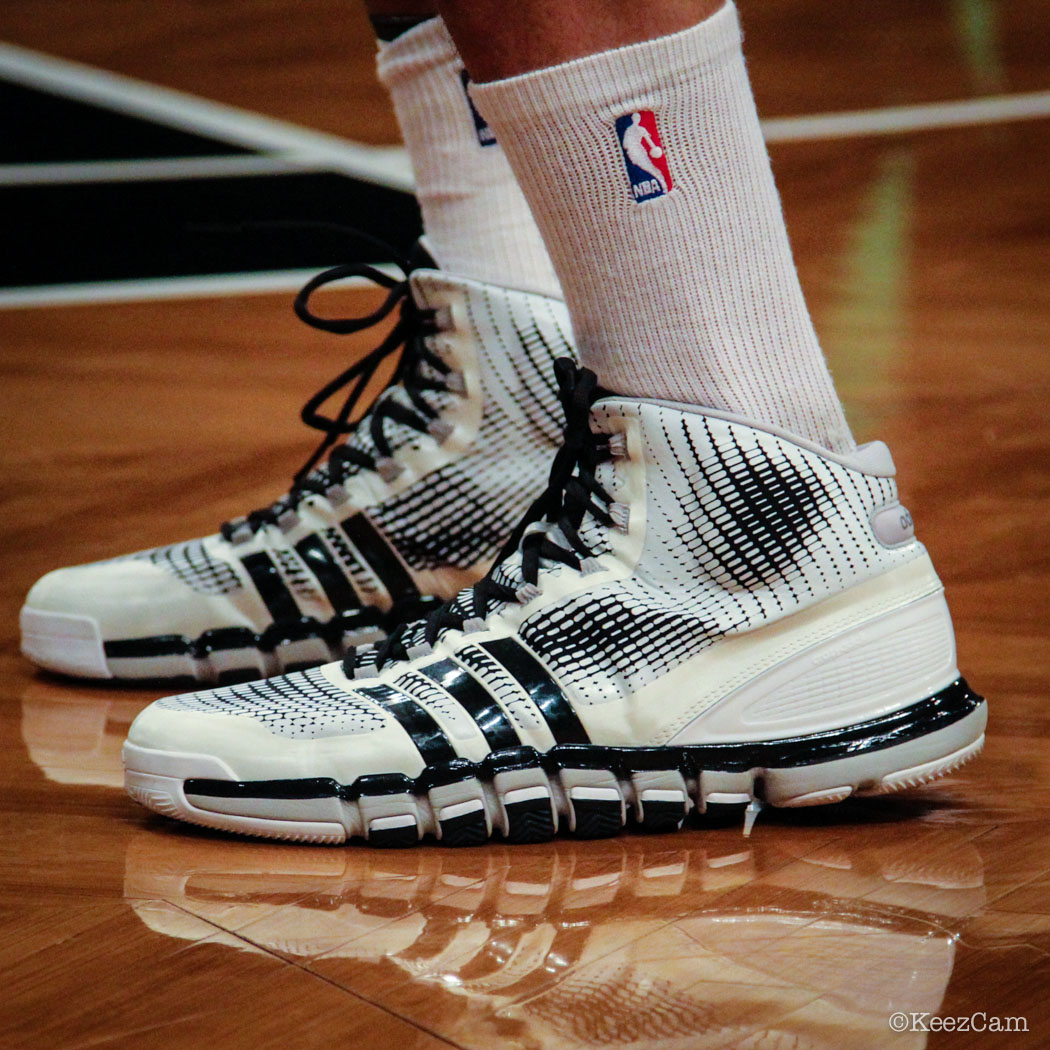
369 544
469 692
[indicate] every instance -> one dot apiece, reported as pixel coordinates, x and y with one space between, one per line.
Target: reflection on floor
73 737
626 944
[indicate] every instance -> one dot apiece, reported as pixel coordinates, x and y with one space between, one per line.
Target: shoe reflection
668 942
74 736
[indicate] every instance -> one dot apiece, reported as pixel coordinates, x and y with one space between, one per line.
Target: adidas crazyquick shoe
415 503
697 610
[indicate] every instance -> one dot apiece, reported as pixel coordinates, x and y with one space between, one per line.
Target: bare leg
497 39
391 18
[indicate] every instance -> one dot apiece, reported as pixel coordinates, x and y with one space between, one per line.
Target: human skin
499 39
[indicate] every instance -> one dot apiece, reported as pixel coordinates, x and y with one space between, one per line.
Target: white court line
389 166
157 288
290 144
151 170
896 120
890 121
386 165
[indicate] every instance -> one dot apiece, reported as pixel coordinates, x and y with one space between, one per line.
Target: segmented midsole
279 633
934 713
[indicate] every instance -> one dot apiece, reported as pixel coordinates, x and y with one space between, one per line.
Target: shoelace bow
572 491
413 325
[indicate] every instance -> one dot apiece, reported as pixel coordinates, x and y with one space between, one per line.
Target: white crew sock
476 220
692 294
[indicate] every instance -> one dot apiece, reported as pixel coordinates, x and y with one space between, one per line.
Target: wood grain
926 262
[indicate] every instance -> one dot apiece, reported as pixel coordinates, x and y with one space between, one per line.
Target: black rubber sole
176 658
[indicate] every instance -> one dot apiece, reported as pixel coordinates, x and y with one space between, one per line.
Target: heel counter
866 671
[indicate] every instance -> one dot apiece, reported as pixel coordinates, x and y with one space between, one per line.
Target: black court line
37 127
98 231
132 230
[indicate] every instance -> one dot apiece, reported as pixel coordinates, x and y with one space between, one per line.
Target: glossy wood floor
926 258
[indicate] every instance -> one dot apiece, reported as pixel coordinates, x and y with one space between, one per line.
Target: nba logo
644 156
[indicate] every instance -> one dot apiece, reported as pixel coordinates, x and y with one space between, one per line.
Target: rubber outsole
73 645
595 792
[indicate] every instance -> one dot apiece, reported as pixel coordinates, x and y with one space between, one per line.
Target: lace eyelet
621 516
336 495
443 319
440 430
527 592
241 532
389 469
287 520
618 445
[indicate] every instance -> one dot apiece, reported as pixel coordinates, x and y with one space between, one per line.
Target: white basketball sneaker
697 610
415 503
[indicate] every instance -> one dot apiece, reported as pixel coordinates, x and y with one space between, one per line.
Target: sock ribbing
477 222
689 291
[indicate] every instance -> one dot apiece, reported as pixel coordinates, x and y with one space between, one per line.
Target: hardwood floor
926 259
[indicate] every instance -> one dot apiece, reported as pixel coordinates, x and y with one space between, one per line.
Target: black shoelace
410 331
572 491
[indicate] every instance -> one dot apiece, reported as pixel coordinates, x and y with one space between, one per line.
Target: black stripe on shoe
271 587
318 559
383 560
416 720
543 690
472 696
